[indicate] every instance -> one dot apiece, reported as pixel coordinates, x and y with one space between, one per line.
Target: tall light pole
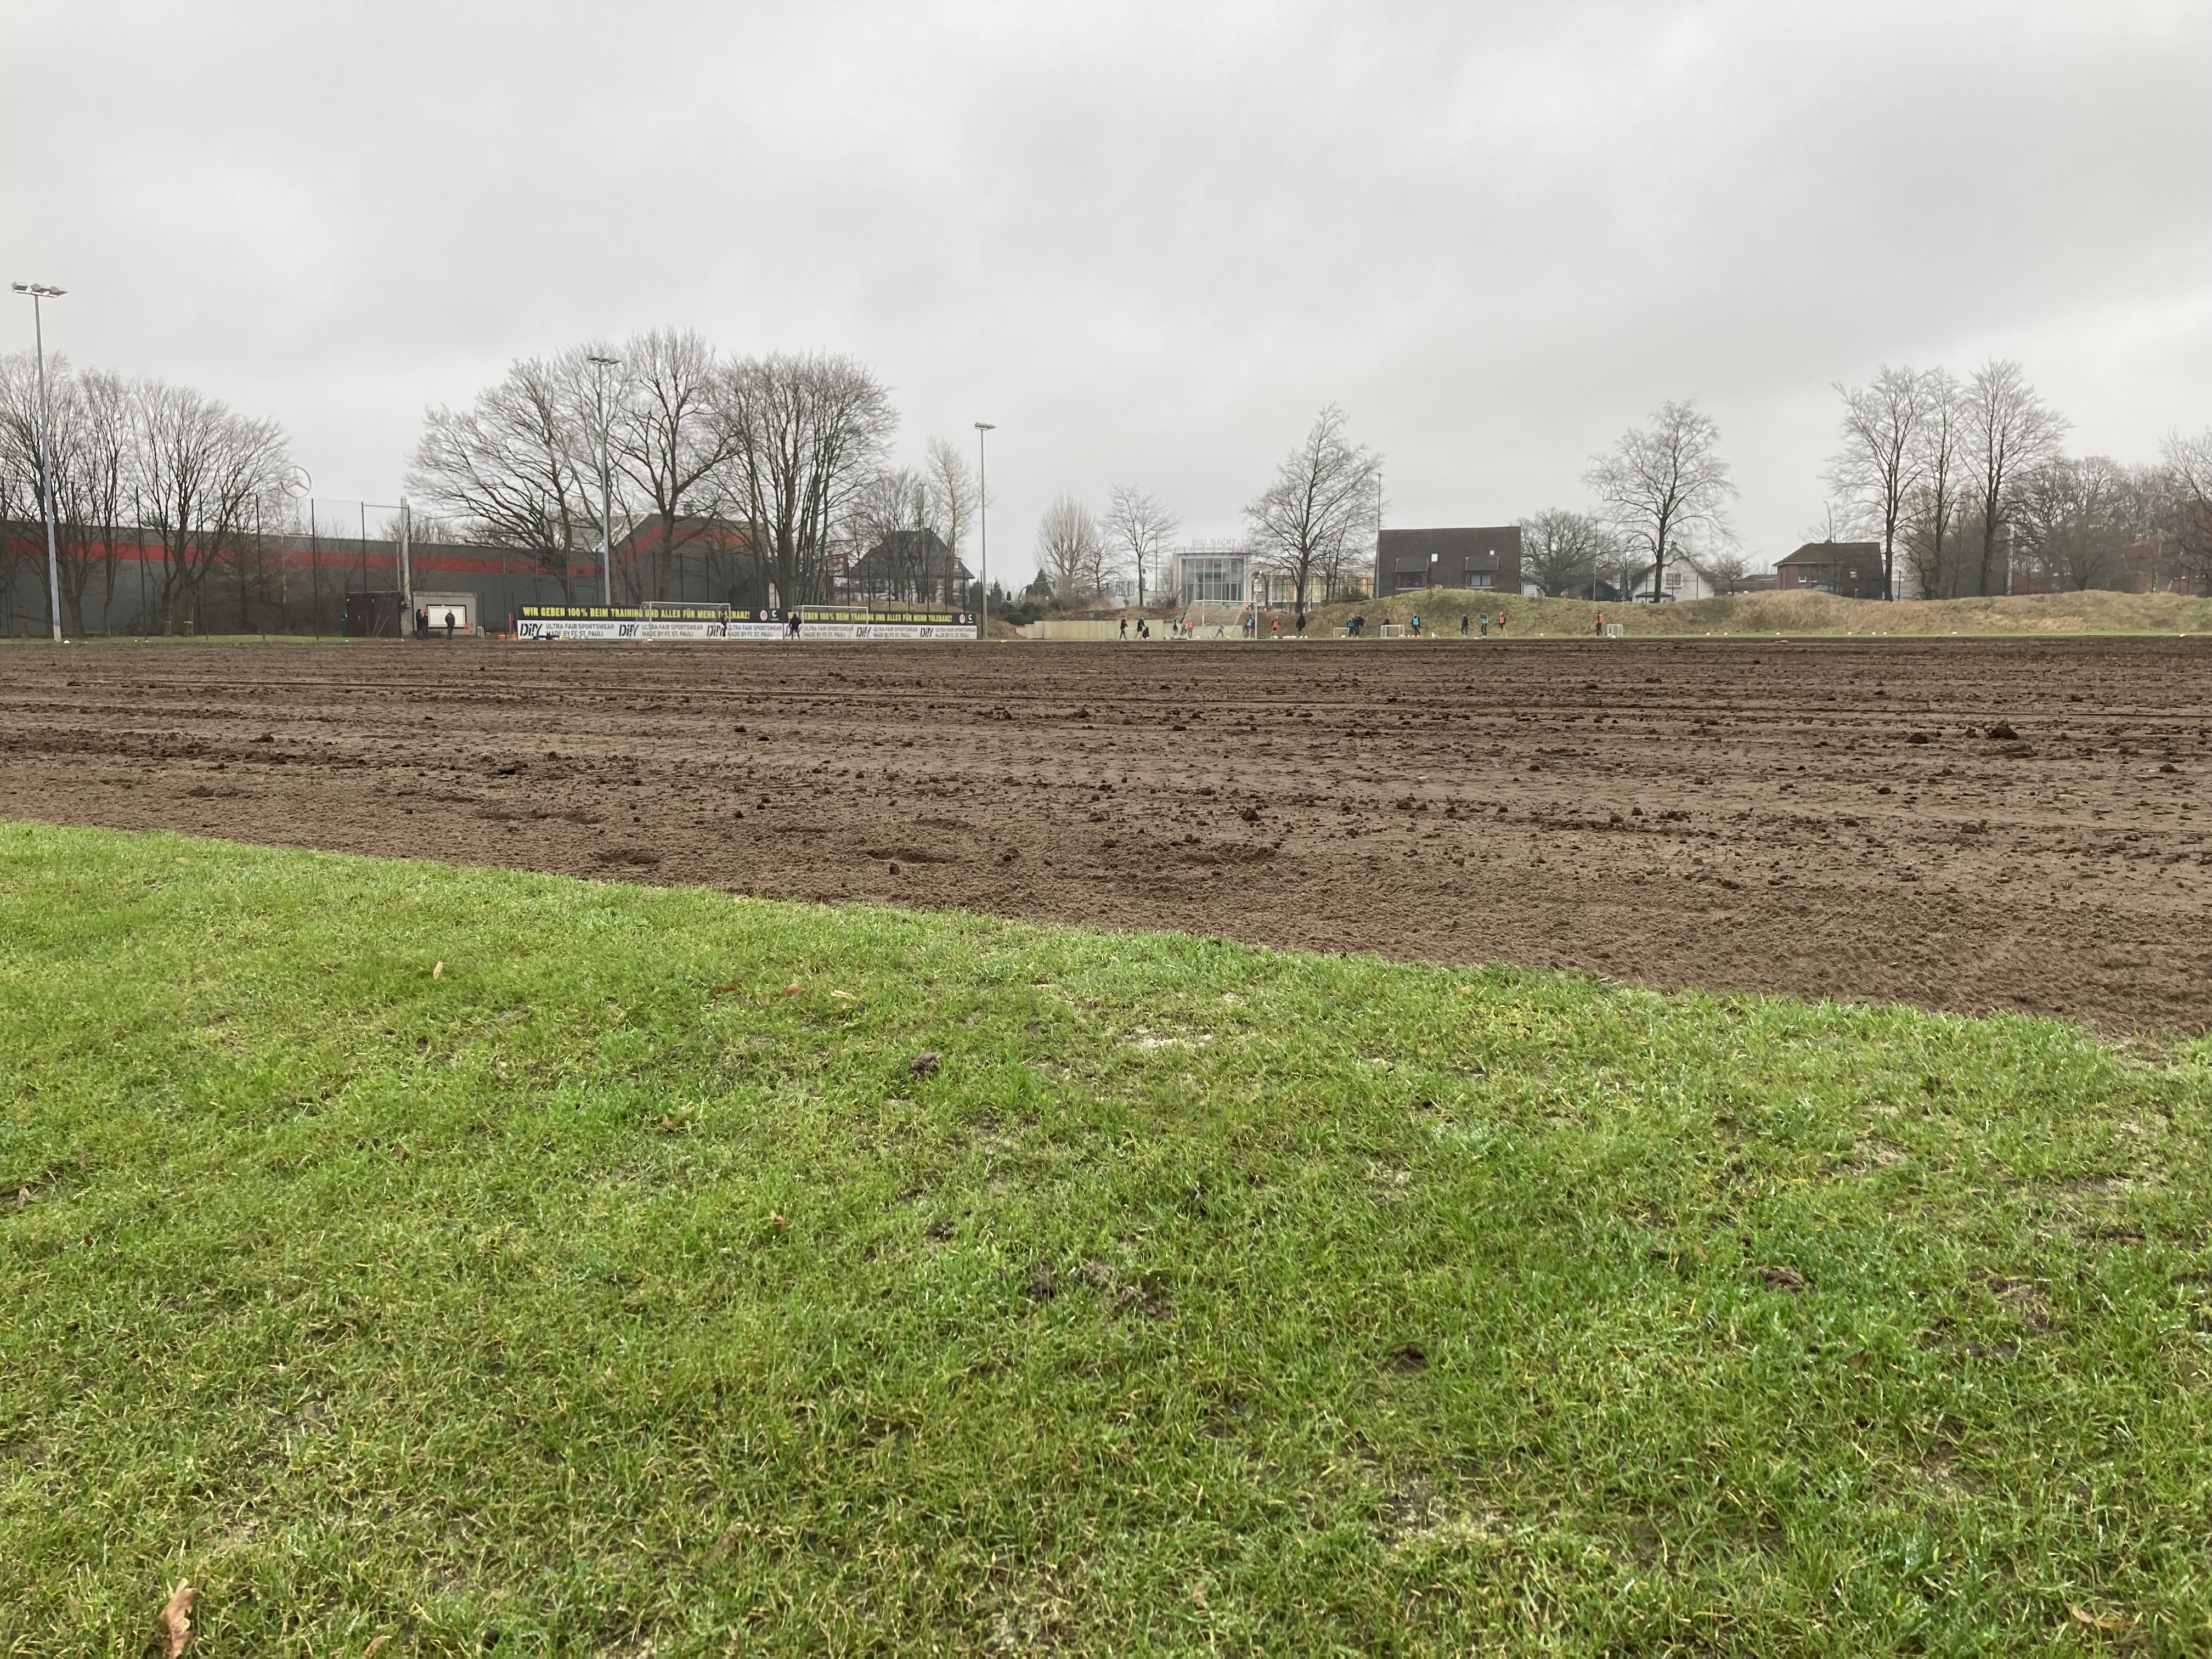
39 293
983 519
599 367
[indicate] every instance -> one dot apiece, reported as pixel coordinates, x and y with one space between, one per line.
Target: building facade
1480 558
1850 570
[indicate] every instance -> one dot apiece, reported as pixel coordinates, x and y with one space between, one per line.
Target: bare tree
889 517
1932 503
1070 550
205 475
954 497
1137 527
1563 551
1879 464
2073 521
91 450
1321 502
1664 486
2188 470
671 444
806 434
2009 430
519 467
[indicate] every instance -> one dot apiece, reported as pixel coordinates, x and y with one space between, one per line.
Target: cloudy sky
1148 241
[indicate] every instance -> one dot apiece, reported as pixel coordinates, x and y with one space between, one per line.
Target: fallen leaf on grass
791 990
778 1220
174 1626
845 995
726 990
438 972
1783 1278
2117 1621
370 1651
925 1065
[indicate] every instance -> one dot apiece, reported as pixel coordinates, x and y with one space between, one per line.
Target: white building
1209 573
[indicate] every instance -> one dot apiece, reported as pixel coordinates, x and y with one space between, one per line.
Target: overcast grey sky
1148 240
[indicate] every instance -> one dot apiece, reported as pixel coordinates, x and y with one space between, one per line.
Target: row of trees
1961 482
1964 481
782 459
134 461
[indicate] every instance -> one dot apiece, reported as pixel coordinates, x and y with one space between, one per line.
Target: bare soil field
1968 825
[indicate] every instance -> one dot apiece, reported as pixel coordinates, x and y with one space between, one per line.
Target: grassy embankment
598 1289
1798 615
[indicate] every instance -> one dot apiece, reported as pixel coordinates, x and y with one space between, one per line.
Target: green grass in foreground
600 1292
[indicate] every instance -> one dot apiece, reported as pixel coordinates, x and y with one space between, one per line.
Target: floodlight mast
984 520
41 292
599 367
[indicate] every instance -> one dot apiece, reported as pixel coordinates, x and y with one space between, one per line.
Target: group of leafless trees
1313 522
1964 482
779 463
135 462
1663 492
1936 466
1087 557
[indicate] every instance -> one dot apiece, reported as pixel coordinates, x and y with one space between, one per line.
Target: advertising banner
719 623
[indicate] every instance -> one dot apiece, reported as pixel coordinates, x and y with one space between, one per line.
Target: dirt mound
1801 613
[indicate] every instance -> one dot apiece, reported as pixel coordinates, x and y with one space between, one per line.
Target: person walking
449 626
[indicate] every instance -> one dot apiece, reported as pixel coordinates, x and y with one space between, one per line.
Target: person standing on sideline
1599 628
449 627
1462 625
1416 624
1501 621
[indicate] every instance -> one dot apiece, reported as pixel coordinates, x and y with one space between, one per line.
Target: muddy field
1972 825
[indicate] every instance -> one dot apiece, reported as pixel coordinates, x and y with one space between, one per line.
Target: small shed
435 613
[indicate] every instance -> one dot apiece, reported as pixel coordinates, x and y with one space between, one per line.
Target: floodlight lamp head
608 362
985 426
40 291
